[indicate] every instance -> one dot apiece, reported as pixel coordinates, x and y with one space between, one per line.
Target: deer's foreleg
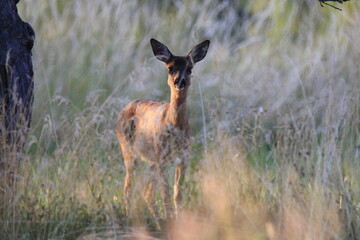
165 191
180 173
149 194
178 185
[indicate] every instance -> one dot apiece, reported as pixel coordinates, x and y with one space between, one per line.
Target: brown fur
159 132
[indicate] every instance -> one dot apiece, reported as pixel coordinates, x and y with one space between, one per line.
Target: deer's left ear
199 51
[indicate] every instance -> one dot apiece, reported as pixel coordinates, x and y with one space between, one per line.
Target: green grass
289 172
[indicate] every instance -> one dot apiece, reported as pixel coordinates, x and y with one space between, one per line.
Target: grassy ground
274 109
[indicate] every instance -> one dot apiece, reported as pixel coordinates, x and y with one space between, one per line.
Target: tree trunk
16 91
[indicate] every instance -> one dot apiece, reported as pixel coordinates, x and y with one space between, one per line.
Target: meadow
274 110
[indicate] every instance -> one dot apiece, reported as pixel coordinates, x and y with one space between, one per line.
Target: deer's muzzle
180 84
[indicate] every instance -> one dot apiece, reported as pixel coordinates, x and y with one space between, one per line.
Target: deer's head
179 67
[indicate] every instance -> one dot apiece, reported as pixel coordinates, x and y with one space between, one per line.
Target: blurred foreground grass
274 110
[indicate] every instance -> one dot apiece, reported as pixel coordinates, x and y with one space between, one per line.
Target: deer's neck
177 113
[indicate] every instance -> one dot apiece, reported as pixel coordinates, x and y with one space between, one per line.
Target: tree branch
325 2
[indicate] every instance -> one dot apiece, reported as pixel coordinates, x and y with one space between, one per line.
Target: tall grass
275 102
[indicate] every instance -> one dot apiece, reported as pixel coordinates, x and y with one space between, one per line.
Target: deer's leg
165 191
129 166
149 191
178 185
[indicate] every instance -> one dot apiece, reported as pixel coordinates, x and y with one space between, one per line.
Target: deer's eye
188 71
171 70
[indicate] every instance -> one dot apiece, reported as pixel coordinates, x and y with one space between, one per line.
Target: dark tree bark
16 88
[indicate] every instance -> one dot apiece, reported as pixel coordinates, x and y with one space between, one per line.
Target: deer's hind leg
126 132
129 166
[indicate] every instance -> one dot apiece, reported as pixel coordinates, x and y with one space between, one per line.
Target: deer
158 133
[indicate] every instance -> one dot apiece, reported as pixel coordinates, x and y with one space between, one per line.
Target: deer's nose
179 80
180 83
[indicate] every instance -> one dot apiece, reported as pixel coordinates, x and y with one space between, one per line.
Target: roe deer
159 132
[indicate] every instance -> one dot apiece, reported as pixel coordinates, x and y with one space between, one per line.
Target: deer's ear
199 51
161 52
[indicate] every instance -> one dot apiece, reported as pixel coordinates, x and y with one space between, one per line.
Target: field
274 110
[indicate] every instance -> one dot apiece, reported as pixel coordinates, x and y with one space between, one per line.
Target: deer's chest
161 142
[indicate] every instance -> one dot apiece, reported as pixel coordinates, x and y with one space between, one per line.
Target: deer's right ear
161 52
